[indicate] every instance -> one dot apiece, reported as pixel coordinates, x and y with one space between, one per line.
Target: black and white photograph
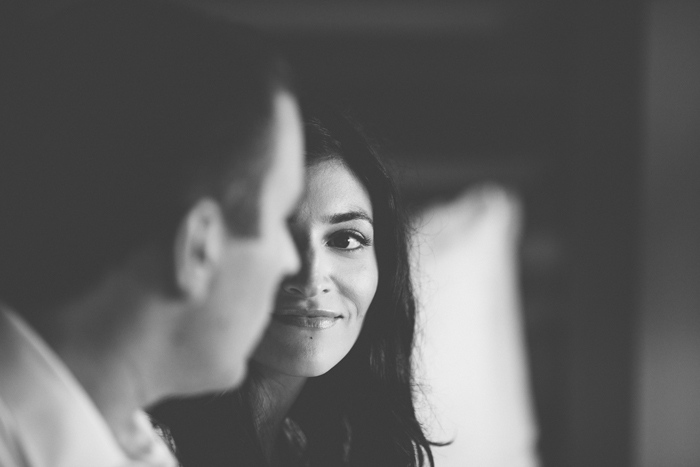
349 233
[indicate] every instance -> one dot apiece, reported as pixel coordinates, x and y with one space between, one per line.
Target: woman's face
319 312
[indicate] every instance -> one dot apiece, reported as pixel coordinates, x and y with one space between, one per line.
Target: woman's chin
299 352
302 367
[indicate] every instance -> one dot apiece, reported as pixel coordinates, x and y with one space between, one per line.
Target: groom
150 158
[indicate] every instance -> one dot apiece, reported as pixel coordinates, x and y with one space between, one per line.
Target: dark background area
552 100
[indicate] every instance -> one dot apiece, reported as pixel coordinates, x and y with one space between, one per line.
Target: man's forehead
288 146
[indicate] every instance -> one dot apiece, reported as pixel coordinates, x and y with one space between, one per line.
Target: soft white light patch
471 351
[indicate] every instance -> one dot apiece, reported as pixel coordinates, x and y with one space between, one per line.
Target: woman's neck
274 396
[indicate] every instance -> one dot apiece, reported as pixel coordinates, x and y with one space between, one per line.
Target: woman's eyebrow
348 216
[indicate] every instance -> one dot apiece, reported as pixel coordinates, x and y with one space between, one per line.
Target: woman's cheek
366 287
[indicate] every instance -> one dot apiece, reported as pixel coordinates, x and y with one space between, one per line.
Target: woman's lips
312 319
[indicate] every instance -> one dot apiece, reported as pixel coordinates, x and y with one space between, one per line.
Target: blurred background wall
588 112
668 382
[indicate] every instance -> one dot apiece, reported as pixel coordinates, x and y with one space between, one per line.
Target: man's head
137 126
231 281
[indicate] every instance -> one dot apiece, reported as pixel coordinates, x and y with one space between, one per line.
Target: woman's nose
312 278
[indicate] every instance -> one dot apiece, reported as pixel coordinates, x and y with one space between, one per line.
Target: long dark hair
361 412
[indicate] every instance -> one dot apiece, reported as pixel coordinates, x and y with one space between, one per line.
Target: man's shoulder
10 452
46 418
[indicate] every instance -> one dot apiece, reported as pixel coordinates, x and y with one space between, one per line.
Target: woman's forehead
332 192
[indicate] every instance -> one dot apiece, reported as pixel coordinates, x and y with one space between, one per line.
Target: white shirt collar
53 420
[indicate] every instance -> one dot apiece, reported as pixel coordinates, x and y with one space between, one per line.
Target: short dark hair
115 116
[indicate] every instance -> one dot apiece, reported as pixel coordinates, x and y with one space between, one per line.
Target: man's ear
199 247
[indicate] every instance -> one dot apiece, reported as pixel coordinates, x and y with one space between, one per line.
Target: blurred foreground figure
150 159
474 367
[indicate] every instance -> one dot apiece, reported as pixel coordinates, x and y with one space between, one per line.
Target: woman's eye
347 241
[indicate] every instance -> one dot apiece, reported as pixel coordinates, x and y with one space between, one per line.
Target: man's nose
292 257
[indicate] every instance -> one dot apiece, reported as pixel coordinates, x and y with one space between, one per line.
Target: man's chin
234 378
227 380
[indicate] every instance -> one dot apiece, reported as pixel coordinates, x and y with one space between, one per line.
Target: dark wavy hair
361 412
